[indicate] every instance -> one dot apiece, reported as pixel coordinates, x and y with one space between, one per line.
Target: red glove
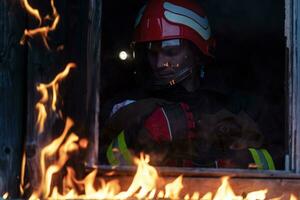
170 122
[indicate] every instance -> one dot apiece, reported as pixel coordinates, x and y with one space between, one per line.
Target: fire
23 165
32 11
144 181
43 31
173 189
51 150
145 184
43 90
293 197
5 195
83 143
225 192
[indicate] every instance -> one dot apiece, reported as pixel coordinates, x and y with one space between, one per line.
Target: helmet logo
184 16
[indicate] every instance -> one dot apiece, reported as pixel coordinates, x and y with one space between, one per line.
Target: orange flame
47 152
225 192
196 196
143 186
5 195
144 180
43 90
42 31
32 11
257 195
207 196
83 143
23 164
173 189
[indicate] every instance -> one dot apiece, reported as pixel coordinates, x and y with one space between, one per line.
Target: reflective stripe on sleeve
110 156
262 159
123 148
118 151
256 158
269 159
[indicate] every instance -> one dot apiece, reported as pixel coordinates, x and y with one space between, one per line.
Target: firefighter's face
171 61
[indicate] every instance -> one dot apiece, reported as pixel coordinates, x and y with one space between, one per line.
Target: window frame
292 29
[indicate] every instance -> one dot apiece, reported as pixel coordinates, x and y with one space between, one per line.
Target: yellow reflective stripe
123 148
256 158
269 159
110 156
263 160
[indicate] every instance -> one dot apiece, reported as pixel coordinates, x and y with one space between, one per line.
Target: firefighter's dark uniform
222 131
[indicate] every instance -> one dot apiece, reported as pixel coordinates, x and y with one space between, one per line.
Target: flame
225 192
5 195
47 152
173 189
32 11
23 164
43 90
83 143
207 196
144 185
196 196
43 31
257 195
144 180
293 197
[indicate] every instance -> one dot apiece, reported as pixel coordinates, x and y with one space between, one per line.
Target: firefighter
173 115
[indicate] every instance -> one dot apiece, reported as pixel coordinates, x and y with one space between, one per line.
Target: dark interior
249 56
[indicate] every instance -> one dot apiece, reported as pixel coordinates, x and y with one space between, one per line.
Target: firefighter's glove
170 122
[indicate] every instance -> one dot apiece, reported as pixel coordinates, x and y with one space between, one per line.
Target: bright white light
123 55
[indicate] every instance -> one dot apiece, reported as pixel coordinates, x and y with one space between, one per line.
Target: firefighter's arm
147 125
130 117
164 121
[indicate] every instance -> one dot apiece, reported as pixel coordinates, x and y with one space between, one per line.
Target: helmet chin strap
182 75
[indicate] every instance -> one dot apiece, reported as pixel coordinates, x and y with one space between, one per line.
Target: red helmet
174 19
